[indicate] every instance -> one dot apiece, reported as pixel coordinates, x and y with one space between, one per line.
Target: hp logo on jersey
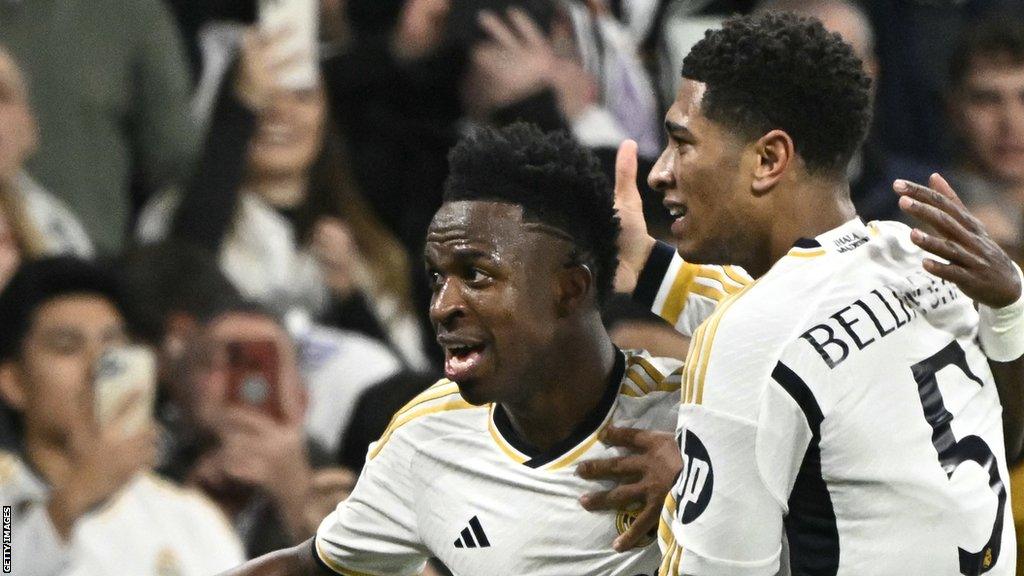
696 481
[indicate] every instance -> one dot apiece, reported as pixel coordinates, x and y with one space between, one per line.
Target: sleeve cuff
653 274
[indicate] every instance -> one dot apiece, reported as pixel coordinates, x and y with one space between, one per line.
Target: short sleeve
374 531
682 293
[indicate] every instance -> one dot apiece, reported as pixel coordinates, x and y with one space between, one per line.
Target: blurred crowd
164 181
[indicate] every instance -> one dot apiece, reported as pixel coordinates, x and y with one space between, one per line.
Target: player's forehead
685 111
486 225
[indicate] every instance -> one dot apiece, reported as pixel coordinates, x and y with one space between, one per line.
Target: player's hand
635 244
102 460
645 477
976 263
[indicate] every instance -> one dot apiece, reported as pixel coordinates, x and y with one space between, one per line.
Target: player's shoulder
646 375
438 410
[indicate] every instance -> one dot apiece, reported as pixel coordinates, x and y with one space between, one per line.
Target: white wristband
1001 330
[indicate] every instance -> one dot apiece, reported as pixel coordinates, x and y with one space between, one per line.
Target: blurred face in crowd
51 382
288 137
210 372
18 131
706 188
988 109
495 283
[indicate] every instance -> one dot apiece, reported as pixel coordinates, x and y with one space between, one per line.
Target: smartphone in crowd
254 376
125 374
300 18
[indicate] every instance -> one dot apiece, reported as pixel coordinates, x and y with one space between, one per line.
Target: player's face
51 382
990 114
494 297
704 188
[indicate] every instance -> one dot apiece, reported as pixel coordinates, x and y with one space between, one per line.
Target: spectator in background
84 500
110 89
986 105
261 469
32 222
174 289
273 197
873 168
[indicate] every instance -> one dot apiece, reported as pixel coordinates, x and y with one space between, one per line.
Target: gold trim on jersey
736 276
700 350
710 273
806 252
675 301
333 565
509 450
440 397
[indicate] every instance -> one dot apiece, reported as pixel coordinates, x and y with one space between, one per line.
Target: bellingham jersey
842 404
451 480
682 293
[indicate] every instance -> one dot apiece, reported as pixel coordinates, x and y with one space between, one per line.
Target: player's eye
434 280
477 277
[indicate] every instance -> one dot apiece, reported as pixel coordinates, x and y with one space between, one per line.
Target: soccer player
478 470
841 402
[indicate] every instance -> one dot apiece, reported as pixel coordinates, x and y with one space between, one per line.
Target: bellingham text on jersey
878 314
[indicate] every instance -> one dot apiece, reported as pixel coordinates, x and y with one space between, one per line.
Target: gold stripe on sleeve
712 274
333 565
453 401
675 302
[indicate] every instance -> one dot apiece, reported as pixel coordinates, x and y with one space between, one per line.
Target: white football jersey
451 480
149 528
841 403
682 293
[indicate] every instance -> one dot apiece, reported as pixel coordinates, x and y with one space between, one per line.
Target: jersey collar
583 435
849 236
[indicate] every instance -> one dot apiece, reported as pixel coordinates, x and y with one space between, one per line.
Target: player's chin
476 391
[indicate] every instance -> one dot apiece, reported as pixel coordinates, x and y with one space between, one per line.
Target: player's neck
808 212
285 192
560 405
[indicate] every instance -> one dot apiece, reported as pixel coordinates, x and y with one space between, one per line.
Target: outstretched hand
644 478
635 243
975 262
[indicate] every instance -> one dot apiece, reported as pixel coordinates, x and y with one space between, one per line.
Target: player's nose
662 177
447 304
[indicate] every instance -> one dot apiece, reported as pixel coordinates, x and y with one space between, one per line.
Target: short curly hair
778 70
553 178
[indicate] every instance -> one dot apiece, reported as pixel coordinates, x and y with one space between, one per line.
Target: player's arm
297 561
986 273
680 292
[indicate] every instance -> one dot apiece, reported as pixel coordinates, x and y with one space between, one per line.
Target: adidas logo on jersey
473 536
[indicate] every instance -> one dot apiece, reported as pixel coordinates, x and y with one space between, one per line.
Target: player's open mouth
678 212
461 360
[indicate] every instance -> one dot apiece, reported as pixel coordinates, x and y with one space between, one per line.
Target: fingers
935 208
645 524
940 185
626 191
610 468
527 28
944 248
622 497
497 30
625 437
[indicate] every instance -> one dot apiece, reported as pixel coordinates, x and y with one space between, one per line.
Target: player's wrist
1001 330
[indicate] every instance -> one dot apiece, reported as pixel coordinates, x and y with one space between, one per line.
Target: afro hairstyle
554 179
778 70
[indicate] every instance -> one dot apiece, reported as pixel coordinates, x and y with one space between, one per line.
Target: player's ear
775 153
574 286
12 391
